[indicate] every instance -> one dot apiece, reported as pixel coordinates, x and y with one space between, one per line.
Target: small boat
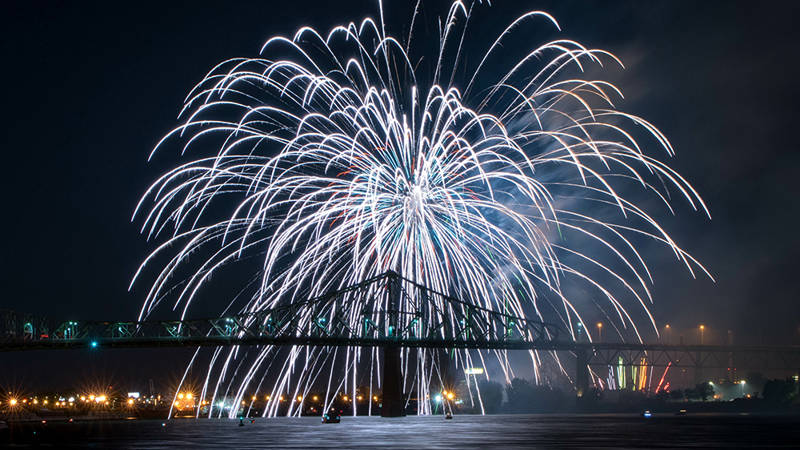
647 413
448 416
682 412
331 418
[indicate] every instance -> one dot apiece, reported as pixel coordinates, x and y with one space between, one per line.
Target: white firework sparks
341 155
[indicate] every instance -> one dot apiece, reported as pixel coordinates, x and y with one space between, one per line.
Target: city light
474 371
130 401
450 396
12 402
94 344
438 398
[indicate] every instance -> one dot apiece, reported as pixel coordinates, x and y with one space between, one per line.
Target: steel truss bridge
386 311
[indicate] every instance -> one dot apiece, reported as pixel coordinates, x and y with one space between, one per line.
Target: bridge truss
384 310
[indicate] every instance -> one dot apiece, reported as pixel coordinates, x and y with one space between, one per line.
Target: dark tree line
522 396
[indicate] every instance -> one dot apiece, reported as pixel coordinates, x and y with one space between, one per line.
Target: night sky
90 88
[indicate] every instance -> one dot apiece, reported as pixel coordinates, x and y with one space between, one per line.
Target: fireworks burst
338 156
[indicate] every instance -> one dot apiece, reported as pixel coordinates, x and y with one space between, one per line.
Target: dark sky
89 88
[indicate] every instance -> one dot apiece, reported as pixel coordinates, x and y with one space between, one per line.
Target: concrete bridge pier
393 404
581 374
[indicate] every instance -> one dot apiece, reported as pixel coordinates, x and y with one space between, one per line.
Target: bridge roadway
18 344
596 353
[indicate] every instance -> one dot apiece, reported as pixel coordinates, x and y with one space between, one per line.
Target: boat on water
331 417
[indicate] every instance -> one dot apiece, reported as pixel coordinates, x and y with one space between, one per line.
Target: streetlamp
702 332
667 330
742 383
599 331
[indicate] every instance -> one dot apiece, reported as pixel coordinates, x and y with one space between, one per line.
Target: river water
509 431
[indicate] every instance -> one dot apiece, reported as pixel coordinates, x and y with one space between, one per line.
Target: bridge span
390 312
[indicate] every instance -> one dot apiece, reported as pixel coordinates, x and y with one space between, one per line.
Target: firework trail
498 178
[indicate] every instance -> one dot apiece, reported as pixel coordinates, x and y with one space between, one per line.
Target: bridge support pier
581 375
393 404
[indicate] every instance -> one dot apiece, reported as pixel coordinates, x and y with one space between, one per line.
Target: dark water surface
517 431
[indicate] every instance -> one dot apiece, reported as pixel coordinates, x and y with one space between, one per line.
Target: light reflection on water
510 431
